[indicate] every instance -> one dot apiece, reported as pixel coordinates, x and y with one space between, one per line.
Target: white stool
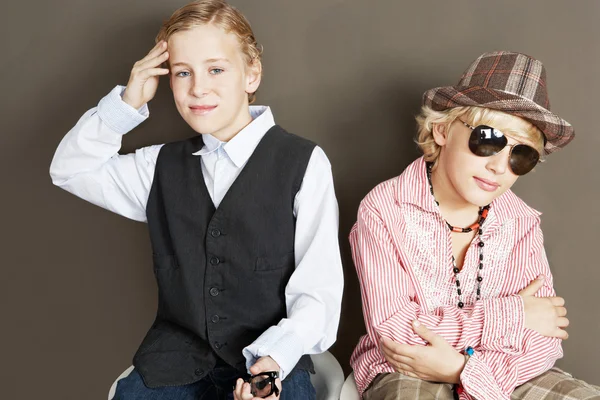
349 390
327 380
113 388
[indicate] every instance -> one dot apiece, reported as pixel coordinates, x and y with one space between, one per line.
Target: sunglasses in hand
263 385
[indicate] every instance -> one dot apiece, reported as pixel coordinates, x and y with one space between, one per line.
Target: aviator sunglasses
486 141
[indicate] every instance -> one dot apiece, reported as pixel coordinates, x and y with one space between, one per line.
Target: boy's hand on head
438 361
143 80
264 364
545 315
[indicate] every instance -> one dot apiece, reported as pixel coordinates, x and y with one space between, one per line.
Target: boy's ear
253 76
440 133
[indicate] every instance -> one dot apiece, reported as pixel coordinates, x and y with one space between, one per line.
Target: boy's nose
498 163
200 87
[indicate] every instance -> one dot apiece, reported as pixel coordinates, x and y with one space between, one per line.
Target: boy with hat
243 218
457 292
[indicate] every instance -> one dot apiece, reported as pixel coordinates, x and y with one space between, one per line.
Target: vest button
215 233
214 319
214 292
218 345
198 371
215 261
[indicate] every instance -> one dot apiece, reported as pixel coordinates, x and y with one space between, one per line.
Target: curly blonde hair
515 127
223 15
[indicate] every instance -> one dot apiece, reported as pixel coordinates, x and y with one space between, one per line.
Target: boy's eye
216 71
182 74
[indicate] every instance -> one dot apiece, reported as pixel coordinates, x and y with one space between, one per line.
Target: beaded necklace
483 212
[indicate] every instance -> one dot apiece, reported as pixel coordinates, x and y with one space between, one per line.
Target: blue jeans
217 385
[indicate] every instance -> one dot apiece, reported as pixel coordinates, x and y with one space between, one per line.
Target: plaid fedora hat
510 82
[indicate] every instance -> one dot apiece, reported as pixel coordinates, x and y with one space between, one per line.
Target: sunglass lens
523 159
261 386
486 141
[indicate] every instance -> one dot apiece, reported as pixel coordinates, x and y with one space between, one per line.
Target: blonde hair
223 15
513 126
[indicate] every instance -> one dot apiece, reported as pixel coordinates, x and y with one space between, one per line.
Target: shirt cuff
118 115
281 345
478 381
503 323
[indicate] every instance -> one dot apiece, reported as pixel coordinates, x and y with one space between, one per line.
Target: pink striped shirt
402 251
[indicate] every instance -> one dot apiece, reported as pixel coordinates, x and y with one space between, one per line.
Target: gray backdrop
77 291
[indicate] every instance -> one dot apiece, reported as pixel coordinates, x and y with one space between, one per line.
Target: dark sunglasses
263 385
486 141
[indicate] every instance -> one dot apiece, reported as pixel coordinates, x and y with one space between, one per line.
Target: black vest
221 272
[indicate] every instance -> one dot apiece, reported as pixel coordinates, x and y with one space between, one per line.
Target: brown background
77 291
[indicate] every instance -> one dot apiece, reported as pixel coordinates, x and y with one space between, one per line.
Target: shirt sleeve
314 292
87 164
495 374
390 303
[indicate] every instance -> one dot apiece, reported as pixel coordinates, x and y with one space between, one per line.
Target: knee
298 386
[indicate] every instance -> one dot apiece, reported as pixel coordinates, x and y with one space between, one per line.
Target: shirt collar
241 146
211 144
413 188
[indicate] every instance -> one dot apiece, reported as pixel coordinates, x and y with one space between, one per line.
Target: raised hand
143 80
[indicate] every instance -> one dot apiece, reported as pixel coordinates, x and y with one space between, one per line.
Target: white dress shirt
88 165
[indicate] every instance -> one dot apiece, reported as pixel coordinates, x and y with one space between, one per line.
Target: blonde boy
457 292
242 218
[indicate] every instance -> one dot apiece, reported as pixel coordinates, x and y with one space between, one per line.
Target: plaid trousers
551 385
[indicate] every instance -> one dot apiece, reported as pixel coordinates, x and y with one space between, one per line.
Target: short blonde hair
223 15
513 126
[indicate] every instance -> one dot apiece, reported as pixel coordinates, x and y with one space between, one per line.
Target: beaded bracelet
458 389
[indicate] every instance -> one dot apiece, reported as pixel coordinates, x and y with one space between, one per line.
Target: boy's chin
482 198
203 128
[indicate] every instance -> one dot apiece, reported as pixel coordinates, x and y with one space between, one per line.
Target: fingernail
416 323
541 277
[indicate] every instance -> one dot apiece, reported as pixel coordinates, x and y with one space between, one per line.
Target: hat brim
557 131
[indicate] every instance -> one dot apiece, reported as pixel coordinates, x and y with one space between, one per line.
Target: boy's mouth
486 185
202 110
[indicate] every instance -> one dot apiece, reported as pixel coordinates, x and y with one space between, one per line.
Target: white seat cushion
349 390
